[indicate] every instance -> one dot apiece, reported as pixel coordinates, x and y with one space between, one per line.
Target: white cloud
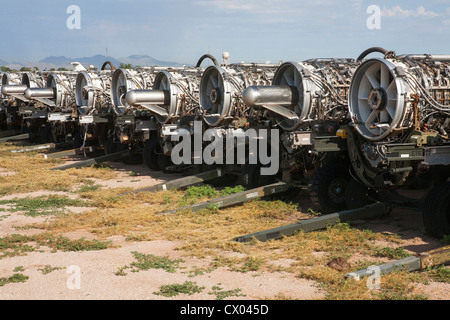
268 7
397 11
228 4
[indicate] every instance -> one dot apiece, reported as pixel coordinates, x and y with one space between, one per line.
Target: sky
250 30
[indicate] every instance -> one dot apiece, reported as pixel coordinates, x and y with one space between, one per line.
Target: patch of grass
398 285
446 239
44 205
14 245
314 212
32 173
205 191
89 188
439 274
102 165
392 253
19 269
64 244
150 261
243 265
231 190
273 209
49 269
195 193
172 290
197 271
16 278
222 294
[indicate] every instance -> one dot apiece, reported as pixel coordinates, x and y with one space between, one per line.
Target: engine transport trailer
308 102
21 114
397 142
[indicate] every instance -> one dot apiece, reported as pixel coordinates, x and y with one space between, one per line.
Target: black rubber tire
328 188
164 162
111 146
149 156
45 133
228 180
252 177
356 195
436 211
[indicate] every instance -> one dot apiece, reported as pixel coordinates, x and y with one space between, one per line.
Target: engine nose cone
378 99
270 95
214 95
158 97
13 89
251 96
48 93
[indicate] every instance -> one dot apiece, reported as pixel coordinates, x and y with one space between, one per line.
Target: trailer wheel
436 211
328 188
164 162
252 177
111 146
224 181
356 195
149 155
45 133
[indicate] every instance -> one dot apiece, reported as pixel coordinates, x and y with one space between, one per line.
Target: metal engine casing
221 90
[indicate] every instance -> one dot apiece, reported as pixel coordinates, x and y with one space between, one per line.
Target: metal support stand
90 162
237 198
420 262
35 148
183 182
372 211
67 153
19 137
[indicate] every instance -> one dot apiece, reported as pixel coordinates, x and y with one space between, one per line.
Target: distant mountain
64 62
147 61
97 61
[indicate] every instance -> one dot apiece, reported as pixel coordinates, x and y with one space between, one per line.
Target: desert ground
98 243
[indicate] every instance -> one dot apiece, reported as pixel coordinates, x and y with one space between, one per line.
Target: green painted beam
10 133
376 210
421 261
16 138
237 198
182 182
35 148
90 162
409 264
67 153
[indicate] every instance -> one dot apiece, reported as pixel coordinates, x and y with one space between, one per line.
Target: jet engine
222 88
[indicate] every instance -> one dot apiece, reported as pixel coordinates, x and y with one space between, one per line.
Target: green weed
222 294
392 253
172 290
48 269
16 278
42 205
150 261
14 245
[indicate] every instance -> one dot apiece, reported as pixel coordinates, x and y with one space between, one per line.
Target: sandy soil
96 270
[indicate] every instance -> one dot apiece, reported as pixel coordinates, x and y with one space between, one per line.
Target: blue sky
251 30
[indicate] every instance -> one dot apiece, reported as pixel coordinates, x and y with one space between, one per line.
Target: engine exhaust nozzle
156 97
255 96
48 93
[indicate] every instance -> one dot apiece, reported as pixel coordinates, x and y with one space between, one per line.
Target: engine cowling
222 88
392 96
